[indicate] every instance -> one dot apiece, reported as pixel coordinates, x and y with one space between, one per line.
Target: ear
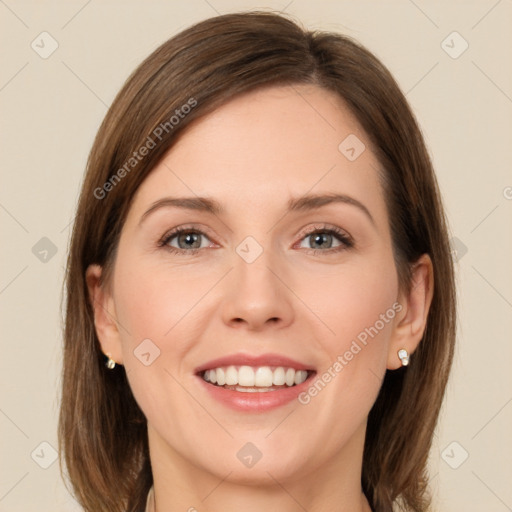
105 319
411 322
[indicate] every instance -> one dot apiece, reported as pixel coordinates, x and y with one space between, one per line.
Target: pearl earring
404 356
110 364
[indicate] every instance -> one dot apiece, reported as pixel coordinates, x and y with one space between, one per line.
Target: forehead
262 148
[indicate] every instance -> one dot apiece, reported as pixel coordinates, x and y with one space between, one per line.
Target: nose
257 296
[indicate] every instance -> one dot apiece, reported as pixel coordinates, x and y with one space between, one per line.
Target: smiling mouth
255 379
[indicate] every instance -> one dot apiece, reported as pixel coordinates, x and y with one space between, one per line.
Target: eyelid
343 236
320 227
171 233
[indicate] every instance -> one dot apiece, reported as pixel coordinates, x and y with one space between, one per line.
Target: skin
252 155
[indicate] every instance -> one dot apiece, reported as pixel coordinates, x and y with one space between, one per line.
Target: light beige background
51 109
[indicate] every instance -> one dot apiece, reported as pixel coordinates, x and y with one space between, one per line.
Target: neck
334 487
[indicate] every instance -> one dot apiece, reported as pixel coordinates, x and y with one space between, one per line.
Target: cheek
153 307
359 307
161 318
153 301
351 300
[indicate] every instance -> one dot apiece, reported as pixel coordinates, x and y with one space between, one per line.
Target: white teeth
290 377
221 376
249 378
254 390
279 378
246 376
263 377
231 375
300 376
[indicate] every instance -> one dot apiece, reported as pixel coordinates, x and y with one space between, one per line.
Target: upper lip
253 360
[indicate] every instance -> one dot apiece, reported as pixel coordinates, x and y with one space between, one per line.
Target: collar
150 502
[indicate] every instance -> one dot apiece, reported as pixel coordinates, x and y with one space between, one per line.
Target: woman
260 296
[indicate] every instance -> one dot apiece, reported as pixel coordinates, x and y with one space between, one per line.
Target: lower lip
258 401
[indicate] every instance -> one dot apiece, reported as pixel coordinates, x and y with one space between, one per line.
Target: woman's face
255 283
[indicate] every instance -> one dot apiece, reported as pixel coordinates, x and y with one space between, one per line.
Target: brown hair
102 431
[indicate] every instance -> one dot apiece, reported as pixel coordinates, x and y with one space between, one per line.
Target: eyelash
346 240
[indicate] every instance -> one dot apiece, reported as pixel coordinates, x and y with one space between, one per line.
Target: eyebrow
208 205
